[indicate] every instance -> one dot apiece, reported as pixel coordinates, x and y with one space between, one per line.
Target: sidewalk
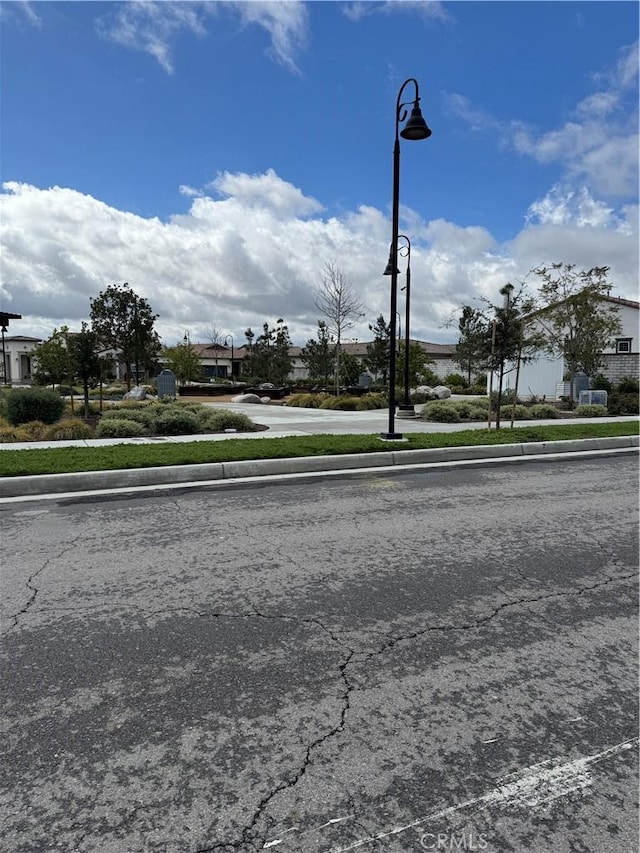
282 421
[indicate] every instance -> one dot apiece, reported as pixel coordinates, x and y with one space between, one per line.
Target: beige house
17 359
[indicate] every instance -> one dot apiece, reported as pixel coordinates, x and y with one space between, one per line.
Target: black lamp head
416 126
389 269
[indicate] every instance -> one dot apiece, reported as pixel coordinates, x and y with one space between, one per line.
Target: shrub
118 428
78 409
68 429
36 429
543 411
463 408
142 417
478 413
623 404
11 434
421 397
368 402
33 404
219 420
520 412
592 410
440 411
305 401
600 383
456 379
344 403
175 421
628 385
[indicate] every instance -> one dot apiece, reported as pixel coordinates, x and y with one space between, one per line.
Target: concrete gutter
12 487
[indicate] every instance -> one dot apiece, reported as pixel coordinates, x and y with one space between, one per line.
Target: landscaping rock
138 392
441 392
247 398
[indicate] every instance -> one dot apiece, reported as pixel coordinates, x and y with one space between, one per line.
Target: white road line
531 787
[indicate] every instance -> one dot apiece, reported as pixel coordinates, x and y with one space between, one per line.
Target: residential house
544 377
17 356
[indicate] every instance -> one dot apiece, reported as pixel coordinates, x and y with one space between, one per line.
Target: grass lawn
14 463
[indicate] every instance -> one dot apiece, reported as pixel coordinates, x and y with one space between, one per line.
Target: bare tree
339 304
215 337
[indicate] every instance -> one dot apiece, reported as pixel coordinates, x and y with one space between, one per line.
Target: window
623 345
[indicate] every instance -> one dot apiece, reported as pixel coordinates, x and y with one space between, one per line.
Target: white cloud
357 10
255 249
151 26
19 12
597 145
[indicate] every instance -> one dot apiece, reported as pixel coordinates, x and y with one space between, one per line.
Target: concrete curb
130 478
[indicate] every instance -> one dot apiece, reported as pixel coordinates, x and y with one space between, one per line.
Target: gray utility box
166 383
593 398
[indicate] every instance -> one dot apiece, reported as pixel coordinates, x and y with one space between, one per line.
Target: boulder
441 392
138 392
246 398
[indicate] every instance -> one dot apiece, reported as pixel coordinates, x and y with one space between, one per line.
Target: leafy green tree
509 339
247 365
578 322
282 363
53 360
124 321
471 355
83 348
318 355
418 364
377 358
184 361
350 369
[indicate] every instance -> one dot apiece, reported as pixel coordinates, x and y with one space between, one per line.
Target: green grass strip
63 460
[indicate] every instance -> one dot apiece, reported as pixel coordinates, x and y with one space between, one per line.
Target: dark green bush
456 379
440 411
600 383
623 404
628 385
21 405
176 422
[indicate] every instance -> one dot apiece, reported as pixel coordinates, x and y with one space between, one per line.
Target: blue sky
217 155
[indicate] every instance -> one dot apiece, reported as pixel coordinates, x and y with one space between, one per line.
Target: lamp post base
392 436
406 411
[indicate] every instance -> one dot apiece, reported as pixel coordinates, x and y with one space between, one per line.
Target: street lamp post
405 409
415 128
232 351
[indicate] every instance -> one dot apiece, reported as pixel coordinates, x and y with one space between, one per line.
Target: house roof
615 300
358 349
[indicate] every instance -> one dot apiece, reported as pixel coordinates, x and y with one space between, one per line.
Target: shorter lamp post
406 408
232 351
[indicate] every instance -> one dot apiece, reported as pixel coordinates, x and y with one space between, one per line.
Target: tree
124 321
339 304
215 337
577 320
83 348
377 358
53 362
184 361
318 356
509 339
281 360
470 352
418 361
350 369
247 370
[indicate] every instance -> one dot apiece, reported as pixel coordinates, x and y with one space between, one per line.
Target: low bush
305 401
141 416
463 408
176 421
10 434
68 429
543 411
369 402
342 403
623 404
592 410
456 379
520 412
219 420
119 428
37 430
21 405
441 412
600 383
78 408
421 397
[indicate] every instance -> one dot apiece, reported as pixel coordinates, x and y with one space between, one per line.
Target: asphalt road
433 660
